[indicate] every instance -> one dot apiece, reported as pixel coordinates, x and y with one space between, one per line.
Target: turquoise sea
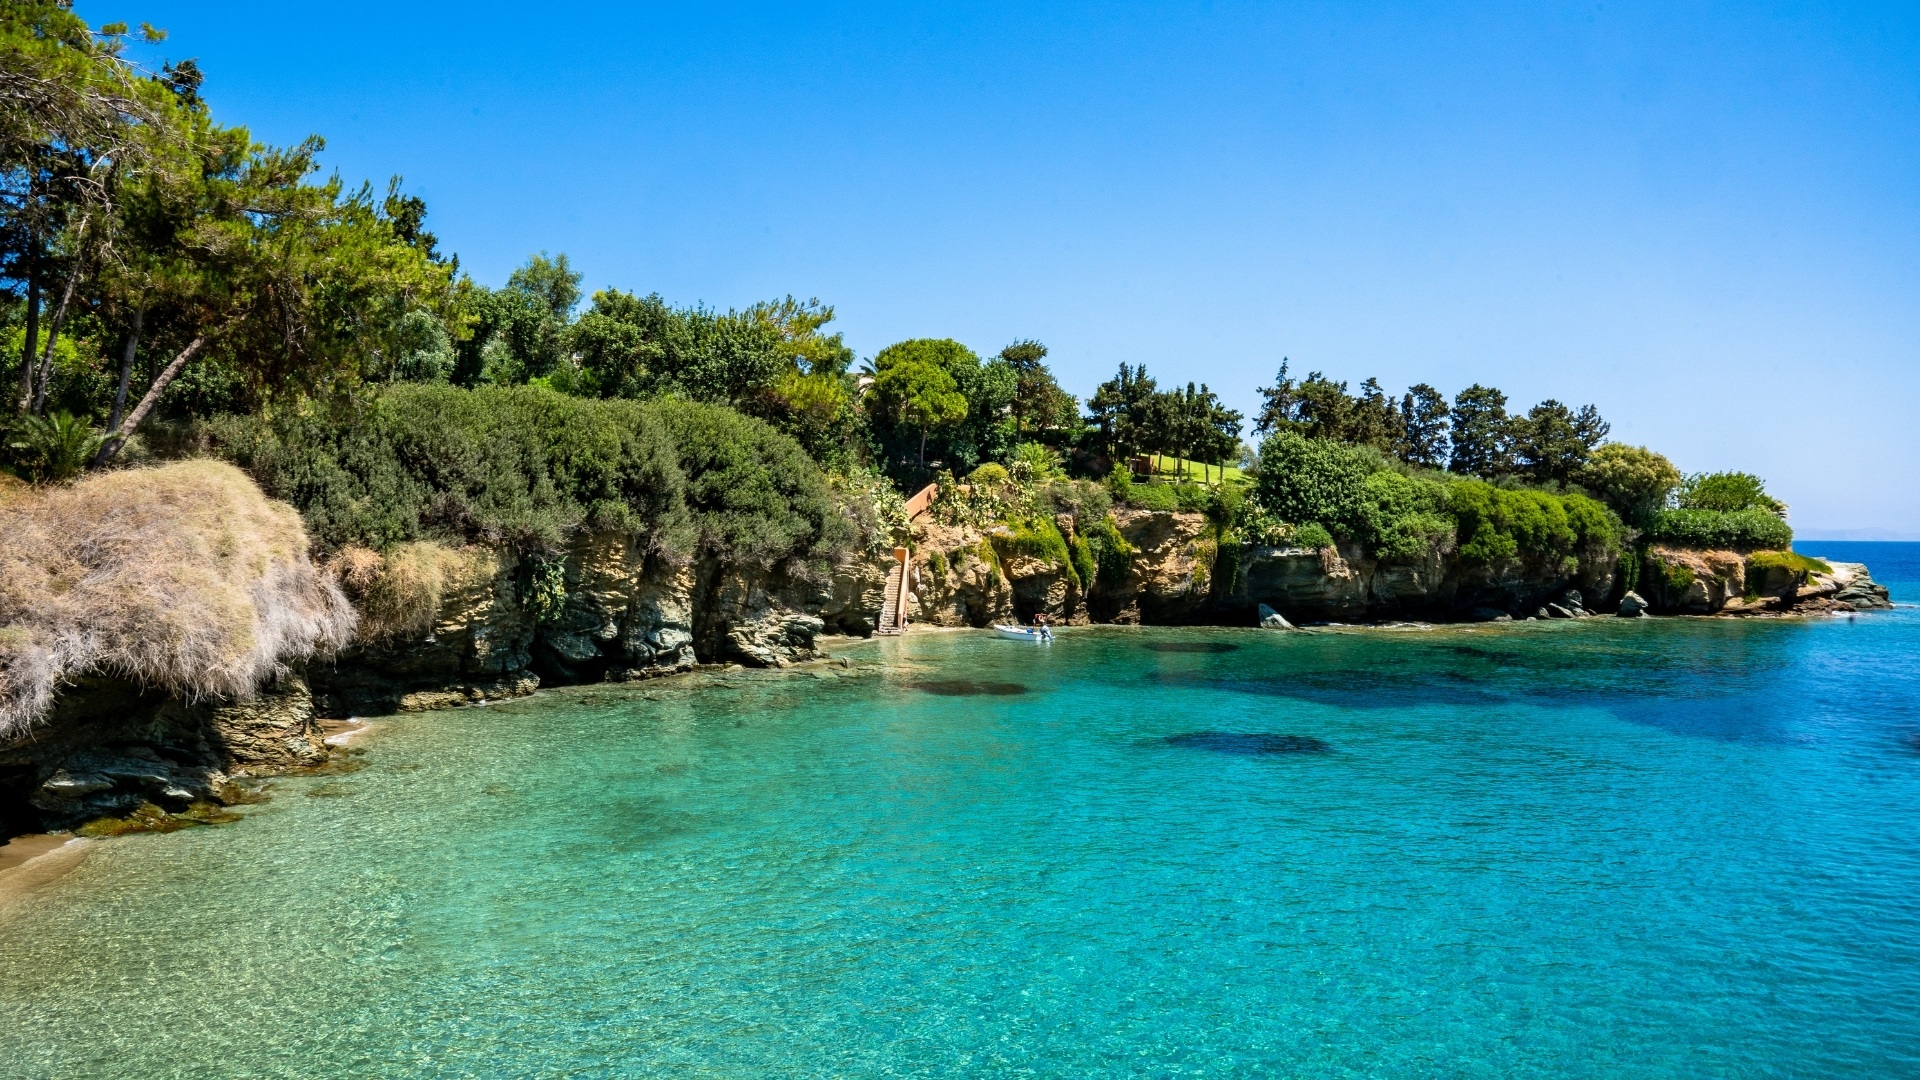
1676 848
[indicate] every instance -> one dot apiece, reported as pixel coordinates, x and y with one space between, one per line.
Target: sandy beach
27 862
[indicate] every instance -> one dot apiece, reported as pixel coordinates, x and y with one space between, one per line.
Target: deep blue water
1650 848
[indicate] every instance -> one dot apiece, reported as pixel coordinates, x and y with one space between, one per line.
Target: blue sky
1705 219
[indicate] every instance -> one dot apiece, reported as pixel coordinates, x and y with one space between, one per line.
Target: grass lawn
1164 465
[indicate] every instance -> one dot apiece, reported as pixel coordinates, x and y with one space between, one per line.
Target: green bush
1497 524
1112 555
1727 492
1405 517
1314 480
1193 498
1633 480
1740 530
1312 535
1788 560
1153 497
1037 538
528 468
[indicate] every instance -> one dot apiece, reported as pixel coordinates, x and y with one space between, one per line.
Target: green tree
1553 442
1038 402
1482 433
1119 409
1636 482
1372 419
986 432
1423 427
919 393
75 118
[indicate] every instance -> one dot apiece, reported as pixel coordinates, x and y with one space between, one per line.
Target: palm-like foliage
54 448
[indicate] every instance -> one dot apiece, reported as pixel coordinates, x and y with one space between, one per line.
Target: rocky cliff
495 625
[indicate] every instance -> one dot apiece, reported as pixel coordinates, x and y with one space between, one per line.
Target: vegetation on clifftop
529 468
173 286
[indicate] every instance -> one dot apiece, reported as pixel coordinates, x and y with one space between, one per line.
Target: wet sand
27 862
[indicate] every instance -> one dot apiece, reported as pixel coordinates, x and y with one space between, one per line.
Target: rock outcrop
604 610
110 747
1683 581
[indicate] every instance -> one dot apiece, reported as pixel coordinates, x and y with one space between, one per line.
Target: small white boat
1023 633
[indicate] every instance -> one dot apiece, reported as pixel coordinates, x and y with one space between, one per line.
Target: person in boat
1040 624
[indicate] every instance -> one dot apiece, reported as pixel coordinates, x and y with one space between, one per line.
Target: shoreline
27 863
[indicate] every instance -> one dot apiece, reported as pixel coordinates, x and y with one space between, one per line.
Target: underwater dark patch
1249 743
1354 689
1497 655
970 688
1192 646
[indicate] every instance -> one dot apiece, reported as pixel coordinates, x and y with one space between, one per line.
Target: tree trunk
923 446
126 369
33 330
160 383
59 316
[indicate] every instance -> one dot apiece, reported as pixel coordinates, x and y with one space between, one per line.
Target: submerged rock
969 688
1249 743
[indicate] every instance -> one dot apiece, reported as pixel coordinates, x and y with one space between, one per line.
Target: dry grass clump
399 594
183 577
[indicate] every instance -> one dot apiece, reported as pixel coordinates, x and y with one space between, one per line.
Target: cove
1611 848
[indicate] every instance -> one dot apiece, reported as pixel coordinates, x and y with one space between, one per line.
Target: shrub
1153 497
53 448
1312 535
1739 530
1498 524
1193 498
755 496
1080 555
1727 493
529 469
1788 560
1034 463
1112 555
400 593
1303 480
1404 517
1086 501
1634 481
992 474
1037 538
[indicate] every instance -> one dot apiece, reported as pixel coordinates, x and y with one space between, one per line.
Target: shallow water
1650 848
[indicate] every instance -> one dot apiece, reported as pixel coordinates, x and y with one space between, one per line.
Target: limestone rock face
1170 580
1855 587
855 594
964 585
1685 581
625 616
1306 583
109 747
754 617
479 646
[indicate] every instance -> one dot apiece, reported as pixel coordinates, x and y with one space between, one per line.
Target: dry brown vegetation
183 577
400 593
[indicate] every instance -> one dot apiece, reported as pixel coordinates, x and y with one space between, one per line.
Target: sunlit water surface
1649 848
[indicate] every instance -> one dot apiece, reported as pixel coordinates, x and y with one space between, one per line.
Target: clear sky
1704 219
